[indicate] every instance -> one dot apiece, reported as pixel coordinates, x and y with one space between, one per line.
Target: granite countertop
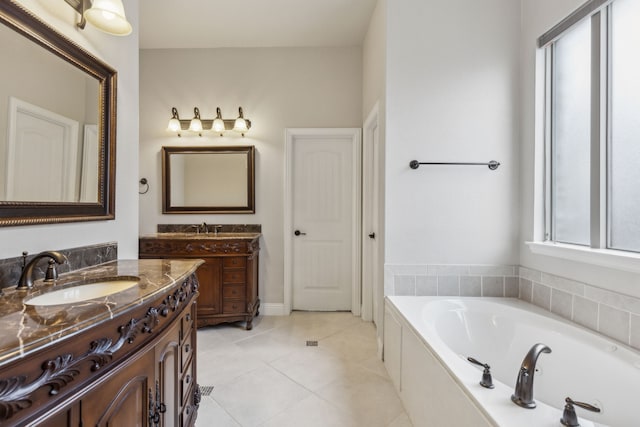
203 236
26 328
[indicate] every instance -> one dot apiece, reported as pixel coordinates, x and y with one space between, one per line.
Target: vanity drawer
233 291
187 323
237 306
187 351
233 276
234 262
185 385
187 413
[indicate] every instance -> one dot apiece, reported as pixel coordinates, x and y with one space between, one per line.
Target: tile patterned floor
269 377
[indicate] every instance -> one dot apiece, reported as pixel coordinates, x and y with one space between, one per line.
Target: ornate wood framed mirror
208 180
57 126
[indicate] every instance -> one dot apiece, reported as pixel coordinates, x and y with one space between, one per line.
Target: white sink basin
84 292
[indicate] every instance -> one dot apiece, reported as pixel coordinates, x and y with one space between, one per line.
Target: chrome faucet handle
197 227
569 417
487 381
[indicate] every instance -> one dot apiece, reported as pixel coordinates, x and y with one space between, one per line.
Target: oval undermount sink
85 291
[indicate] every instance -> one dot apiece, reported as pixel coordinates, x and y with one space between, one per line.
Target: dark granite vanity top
203 236
26 328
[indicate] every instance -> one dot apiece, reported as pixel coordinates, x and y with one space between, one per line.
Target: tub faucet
26 278
523 395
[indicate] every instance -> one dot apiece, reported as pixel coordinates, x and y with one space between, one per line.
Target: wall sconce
217 125
106 15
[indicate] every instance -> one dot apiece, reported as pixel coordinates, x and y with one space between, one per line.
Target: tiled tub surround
612 314
452 280
77 258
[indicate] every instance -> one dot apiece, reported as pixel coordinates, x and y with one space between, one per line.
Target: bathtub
427 341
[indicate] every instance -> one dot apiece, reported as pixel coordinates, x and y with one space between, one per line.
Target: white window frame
598 253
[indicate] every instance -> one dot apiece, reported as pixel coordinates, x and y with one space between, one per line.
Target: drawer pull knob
187 379
188 317
187 348
188 411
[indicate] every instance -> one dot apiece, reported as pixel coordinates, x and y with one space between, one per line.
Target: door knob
299 233
372 235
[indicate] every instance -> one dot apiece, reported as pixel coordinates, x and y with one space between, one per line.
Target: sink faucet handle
569 417
51 273
487 381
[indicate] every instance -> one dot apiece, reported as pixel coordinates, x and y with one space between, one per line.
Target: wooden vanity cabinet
144 375
228 278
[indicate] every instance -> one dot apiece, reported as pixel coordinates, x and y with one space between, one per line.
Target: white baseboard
273 309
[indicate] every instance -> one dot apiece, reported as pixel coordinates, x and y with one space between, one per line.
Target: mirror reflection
208 179
49 144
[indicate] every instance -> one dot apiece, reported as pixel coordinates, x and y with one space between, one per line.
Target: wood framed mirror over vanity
229 276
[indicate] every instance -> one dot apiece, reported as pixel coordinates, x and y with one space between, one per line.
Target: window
592 127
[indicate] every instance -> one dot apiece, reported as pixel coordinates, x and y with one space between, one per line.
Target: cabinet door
168 362
210 279
123 400
68 417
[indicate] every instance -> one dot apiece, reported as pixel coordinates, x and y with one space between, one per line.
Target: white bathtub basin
84 292
499 331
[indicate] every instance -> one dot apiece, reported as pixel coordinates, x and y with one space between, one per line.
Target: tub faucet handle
569 417
487 381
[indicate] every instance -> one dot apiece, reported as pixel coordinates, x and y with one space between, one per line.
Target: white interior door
324 226
42 155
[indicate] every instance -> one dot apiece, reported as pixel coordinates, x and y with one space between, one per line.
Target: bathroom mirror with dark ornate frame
57 126
208 180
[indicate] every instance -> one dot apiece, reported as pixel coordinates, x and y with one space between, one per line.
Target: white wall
122 54
452 95
539 16
277 88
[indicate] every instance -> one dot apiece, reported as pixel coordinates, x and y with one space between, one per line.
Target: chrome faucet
205 227
26 278
216 229
523 395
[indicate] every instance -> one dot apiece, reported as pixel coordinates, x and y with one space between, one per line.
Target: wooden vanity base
228 278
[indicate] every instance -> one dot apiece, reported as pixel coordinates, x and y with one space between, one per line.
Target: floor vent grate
206 390
312 343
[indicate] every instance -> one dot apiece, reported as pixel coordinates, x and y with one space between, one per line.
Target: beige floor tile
402 421
271 345
255 397
356 343
365 396
269 377
236 331
312 367
219 369
210 413
311 412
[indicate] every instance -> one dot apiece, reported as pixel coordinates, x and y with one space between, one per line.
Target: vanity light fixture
200 125
240 125
106 15
218 123
196 124
174 122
